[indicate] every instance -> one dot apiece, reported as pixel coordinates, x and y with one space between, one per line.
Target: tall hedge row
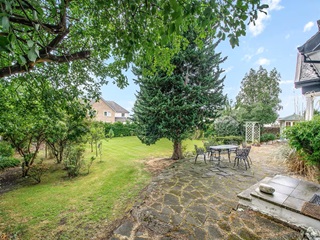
120 129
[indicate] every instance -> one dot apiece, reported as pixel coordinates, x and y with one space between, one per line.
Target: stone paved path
199 201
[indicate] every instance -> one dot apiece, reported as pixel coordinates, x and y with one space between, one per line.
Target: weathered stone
199 233
265 188
214 232
170 199
177 208
125 229
191 220
157 206
247 234
176 219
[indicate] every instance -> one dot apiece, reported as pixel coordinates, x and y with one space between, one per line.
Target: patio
199 201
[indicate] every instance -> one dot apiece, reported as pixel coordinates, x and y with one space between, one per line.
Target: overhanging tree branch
17 68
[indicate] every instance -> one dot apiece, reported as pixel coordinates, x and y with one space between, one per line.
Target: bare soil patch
156 165
10 179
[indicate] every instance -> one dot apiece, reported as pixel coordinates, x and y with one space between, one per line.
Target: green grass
65 208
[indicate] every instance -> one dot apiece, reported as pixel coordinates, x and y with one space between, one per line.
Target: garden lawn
62 208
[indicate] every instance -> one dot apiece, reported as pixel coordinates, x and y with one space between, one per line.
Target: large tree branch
17 68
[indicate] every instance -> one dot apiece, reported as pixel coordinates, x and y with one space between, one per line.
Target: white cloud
263 61
247 57
286 82
308 26
228 69
274 4
260 50
259 26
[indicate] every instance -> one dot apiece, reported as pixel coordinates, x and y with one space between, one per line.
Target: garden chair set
241 154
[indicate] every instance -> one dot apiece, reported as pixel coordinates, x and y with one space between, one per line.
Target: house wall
100 108
120 115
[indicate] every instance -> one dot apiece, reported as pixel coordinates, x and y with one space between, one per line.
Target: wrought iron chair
242 154
210 153
200 151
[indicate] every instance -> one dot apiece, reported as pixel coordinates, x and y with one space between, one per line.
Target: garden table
220 148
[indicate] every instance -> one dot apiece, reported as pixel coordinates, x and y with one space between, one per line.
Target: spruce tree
174 106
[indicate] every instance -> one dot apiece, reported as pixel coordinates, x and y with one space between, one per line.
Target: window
123 114
107 114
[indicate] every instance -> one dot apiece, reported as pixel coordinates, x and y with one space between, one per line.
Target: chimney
318 22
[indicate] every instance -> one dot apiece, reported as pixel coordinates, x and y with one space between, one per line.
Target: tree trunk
177 150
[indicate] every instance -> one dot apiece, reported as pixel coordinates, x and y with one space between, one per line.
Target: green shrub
6 149
229 139
6 162
120 129
74 159
305 138
267 137
226 126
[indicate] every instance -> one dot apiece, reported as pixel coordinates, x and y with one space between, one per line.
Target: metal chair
200 151
242 154
210 152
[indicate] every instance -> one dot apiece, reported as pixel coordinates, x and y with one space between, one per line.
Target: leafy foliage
174 106
258 99
305 138
226 126
7 161
31 115
89 32
96 133
74 160
119 129
6 149
266 137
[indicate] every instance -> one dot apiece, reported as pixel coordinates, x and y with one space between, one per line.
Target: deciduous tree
258 99
102 37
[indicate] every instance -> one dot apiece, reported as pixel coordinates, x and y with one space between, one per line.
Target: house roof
308 65
114 106
293 117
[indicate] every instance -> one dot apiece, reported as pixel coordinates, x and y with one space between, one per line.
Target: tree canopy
174 106
258 99
105 36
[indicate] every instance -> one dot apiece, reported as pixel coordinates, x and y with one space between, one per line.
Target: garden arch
252 132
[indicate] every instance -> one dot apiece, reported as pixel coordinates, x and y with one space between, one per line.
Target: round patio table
220 148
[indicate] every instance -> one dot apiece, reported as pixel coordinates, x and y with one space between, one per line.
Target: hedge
120 129
6 162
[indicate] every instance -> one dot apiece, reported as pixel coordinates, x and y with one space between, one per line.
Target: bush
305 138
120 129
226 126
6 149
267 137
229 139
74 160
6 162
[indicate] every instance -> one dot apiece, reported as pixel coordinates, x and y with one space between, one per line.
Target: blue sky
272 43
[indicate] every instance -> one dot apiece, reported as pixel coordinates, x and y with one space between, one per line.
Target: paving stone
180 204
176 219
170 199
199 233
177 208
125 229
191 220
247 234
214 232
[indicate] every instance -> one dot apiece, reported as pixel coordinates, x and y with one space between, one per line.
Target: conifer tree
174 106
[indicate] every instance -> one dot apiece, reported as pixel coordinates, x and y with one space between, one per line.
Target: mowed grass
62 208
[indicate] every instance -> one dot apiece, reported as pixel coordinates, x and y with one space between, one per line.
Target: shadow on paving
199 201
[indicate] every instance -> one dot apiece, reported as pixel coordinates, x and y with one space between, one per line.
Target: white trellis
252 132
